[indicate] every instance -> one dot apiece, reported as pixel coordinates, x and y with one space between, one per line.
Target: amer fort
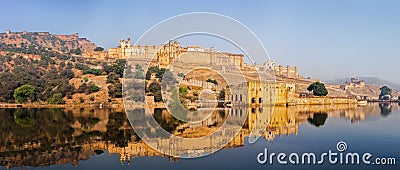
268 107
286 88
273 107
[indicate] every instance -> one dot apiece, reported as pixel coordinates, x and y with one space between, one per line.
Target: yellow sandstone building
167 53
257 93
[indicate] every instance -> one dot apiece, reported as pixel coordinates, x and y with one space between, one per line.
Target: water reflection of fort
33 137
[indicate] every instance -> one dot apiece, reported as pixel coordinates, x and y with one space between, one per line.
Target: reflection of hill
61 136
58 135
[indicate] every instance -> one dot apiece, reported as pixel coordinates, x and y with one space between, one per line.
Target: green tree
385 90
222 95
23 118
168 78
138 74
183 91
154 87
138 67
148 75
115 90
318 89
82 88
67 73
118 67
159 73
99 49
318 119
21 94
92 71
212 81
56 99
386 109
181 75
112 78
157 96
94 88
106 67
78 51
81 99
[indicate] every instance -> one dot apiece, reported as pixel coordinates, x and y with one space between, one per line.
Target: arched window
253 100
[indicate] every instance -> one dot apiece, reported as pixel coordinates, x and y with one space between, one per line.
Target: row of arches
254 100
237 112
236 97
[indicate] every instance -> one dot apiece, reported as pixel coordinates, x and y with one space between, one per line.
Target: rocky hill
47 73
368 80
371 88
61 43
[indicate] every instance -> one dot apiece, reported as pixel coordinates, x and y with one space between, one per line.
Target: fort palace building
167 53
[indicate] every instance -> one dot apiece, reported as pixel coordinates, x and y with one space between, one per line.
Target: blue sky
325 39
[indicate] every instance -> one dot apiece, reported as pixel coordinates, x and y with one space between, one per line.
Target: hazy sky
325 39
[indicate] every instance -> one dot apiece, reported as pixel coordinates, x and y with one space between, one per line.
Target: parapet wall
324 101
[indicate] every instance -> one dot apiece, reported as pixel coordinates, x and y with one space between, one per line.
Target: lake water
82 138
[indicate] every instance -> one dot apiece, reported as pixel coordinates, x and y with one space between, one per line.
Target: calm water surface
81 138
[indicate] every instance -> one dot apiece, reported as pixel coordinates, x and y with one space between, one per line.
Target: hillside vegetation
55 74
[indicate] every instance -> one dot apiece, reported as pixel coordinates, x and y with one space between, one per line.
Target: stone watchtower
288 75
